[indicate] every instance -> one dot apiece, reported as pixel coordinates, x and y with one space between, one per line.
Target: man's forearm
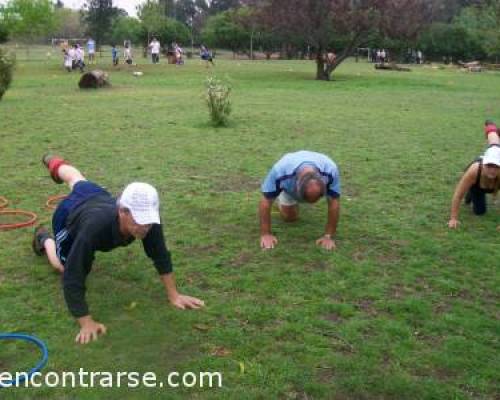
265 216
168 281
333 217
84 320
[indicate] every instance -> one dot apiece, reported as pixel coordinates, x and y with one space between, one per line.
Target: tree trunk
94 80
320 66
251 45
321 73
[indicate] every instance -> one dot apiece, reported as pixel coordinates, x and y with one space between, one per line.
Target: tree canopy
29 19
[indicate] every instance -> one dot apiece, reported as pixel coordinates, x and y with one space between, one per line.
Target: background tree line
453 29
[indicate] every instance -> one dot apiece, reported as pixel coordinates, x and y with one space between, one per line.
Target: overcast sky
127 5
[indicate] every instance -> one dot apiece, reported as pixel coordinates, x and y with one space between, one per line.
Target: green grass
404 309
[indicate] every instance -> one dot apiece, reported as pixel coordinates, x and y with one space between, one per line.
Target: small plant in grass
6 70
219 104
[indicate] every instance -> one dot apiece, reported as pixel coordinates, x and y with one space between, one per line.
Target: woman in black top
481 177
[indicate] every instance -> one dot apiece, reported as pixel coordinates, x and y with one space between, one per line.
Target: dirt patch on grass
241 259
397 291
198 280
206 249
366 306
350 191
321 265
442 308
234 183
388 258
333 317
325 375
359 256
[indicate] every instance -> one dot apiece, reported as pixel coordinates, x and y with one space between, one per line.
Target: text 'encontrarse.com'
86 379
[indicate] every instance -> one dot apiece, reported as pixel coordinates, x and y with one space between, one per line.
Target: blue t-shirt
91 46
283 175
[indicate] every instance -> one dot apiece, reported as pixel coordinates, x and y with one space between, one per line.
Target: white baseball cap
492 156
143 202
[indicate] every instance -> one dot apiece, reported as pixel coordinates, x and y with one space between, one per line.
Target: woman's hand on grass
186 302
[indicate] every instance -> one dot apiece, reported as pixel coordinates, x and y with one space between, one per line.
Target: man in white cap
91 220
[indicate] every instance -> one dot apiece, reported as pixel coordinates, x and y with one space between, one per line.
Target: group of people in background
127 54
74 55
74 58
378 56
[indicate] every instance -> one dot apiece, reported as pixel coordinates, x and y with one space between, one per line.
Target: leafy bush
219 104
6 70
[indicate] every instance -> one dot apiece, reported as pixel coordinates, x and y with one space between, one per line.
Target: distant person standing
91 50
72 55
205 55
419 57
178 54
79 56
127 54
68 62
155 50
383 56
114 55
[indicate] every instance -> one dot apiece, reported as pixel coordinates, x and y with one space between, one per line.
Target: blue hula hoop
27 338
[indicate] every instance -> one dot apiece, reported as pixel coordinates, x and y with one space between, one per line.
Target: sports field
403 309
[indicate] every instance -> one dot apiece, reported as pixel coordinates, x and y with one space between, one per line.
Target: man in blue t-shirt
303 176
91 51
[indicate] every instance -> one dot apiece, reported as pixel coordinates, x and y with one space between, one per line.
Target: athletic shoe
40 235
53 162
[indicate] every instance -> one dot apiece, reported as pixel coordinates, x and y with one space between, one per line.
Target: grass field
404 309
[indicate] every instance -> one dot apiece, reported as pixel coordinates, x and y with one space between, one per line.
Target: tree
317 22
224 30
450 41
152 18
4 33
69 25
29 19
482 24
98 16
126 28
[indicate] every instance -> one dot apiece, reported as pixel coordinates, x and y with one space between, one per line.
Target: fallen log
94 80
392 67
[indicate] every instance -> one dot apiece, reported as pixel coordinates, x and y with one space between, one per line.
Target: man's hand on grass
89 330
268 241
453 223
326 242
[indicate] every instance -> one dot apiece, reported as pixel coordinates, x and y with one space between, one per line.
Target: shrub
6 70
219 104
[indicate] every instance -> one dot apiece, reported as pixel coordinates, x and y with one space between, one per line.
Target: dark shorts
477 197
81 192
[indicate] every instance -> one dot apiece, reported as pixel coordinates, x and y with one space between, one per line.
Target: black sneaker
40 235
